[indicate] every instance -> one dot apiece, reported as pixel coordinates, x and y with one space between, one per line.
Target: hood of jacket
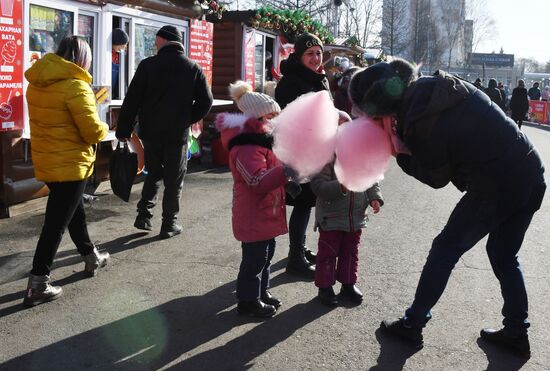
293 66
428 97
231 125
52 68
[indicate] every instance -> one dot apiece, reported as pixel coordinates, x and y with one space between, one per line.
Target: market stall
31 28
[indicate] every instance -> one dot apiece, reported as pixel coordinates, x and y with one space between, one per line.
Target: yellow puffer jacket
63 119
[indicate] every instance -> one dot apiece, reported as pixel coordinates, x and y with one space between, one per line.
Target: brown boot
94 261
40 291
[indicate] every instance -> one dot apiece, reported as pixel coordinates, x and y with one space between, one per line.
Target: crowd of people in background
516 104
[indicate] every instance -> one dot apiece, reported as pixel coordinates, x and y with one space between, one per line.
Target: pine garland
290 23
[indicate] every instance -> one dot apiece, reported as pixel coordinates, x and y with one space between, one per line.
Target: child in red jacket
259 178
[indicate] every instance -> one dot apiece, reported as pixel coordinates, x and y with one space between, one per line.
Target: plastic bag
123 166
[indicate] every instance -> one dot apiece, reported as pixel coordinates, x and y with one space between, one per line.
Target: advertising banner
249 48
11 65
538 111
201 46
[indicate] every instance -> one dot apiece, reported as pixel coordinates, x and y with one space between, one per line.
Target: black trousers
64 209
167 162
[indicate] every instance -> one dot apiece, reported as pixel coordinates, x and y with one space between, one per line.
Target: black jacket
298 80
168 93
519 104
455 134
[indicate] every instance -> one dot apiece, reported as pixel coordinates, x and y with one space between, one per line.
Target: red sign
201 41
249 47
538 111
11 65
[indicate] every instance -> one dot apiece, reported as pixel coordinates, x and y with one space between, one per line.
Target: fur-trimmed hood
231 125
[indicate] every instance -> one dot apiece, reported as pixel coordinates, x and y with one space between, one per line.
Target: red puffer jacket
259 211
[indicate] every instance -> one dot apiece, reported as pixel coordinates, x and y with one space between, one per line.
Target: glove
293 188
290 172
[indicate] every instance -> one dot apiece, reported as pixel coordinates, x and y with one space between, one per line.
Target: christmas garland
290 23
211 7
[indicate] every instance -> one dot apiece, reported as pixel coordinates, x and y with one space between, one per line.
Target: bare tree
452 24
395 28
484 28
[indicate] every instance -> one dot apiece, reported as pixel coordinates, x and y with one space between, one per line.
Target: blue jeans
253 278
505 217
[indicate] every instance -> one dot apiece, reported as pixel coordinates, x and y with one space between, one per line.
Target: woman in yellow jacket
65 127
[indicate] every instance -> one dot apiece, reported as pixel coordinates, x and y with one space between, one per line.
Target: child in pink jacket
259 178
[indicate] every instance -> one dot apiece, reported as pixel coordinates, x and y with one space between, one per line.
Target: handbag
123 166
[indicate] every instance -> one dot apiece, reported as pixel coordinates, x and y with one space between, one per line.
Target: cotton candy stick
363 152
305 133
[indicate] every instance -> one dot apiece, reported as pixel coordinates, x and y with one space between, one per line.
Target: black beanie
306 41
170 33
119 37
379 89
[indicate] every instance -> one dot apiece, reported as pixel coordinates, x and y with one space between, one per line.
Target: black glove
293 188
290 172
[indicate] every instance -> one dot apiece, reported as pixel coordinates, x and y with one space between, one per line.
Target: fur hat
306 41
252 104
119 37
379 89
170 33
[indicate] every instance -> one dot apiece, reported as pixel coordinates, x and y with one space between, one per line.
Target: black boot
311 257
297 264
269 299
351 292
517 344
255 308
399 329
327 296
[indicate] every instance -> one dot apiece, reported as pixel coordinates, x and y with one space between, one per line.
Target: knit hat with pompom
252 104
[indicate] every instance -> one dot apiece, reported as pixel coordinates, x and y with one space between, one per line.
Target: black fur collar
262 140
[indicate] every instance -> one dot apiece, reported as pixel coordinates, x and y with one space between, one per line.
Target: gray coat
338 211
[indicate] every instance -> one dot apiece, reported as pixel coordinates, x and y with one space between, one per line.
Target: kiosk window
48 27
144 42
86 30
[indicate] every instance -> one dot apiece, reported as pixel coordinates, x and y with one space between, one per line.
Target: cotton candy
363 152
305 133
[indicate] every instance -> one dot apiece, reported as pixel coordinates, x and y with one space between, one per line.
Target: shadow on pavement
393 353
498 359
157 337
62 259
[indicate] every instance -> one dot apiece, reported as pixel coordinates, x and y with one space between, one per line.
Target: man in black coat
168 93
455 134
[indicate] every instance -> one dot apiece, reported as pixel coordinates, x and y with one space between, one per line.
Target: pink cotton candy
363 152
305 133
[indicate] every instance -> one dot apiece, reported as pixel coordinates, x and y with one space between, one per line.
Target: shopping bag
123 166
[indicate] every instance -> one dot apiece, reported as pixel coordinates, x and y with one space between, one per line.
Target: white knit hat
251 103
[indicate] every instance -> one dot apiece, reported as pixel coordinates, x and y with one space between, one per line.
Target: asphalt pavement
170 304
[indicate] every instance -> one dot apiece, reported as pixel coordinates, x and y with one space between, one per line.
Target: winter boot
327 296
144 223
351 292
310 255
517 344
40 291
255 308
93 261
269 299
297 263
170 230
403 331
